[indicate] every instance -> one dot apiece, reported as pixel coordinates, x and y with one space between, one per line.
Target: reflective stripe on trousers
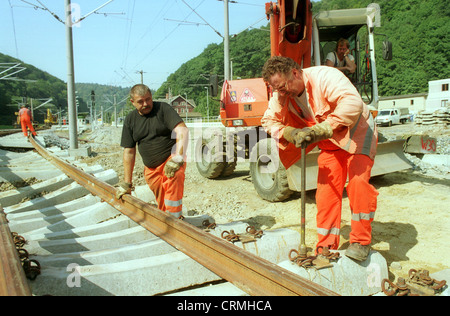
168 191
334 167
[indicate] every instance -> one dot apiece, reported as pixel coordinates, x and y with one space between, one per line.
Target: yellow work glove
173 165
308 135
123 188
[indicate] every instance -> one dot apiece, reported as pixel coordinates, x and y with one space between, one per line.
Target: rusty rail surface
248 272
13 281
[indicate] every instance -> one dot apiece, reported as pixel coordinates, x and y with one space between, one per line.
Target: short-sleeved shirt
335 60
152 133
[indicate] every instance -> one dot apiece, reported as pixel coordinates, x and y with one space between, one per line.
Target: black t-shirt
152 133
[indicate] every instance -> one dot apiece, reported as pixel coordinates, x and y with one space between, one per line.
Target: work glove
173 165
308 135
123 188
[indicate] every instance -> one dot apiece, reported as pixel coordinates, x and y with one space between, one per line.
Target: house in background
184 107
414 102
438 97
438 94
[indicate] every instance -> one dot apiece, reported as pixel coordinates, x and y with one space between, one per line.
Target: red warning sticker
247 96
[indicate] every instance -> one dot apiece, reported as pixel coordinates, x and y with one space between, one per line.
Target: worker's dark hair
139 90
278 64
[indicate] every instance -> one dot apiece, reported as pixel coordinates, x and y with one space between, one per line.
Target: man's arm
182 134
129 159
179 156
351 66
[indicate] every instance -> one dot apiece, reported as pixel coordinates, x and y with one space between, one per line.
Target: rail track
138 237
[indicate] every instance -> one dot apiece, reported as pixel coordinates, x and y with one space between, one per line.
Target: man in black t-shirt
162 139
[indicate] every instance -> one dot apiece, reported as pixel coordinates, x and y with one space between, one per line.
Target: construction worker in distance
26 120
162 138
341 58
320 106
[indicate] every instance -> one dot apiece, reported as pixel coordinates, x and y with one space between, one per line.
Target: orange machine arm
291 29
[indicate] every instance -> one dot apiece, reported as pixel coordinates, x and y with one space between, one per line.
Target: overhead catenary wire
14 29
163 40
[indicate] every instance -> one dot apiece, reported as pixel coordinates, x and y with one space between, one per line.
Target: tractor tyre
268 174
209 157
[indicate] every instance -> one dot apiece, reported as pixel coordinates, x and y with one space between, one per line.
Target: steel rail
248 272
13 281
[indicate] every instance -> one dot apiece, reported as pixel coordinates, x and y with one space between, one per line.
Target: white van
392 116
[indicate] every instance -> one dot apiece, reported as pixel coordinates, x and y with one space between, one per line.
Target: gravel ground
412 223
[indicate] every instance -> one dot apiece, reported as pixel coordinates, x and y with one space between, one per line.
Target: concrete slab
346 276
8 158
65 194
107 226
76 218
18 140
15 174
12 197
109 264
139 250
273 246
55 209
95 242
140 277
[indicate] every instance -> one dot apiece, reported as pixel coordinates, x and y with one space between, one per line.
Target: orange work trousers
334 167
168 191
25 122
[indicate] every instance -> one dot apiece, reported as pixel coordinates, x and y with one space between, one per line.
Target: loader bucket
390 158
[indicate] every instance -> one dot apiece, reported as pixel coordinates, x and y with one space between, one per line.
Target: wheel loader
306 38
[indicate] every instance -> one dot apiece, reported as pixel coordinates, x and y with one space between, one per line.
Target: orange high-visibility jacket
331 97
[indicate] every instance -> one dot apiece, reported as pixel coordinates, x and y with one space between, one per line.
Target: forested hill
418 30
42 85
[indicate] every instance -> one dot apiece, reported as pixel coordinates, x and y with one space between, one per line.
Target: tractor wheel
209 157
268 174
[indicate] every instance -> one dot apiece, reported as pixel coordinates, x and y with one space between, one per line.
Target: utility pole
73 137
142 75
226 42
92 106
115 111
71 99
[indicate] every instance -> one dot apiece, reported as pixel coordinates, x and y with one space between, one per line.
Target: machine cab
357 26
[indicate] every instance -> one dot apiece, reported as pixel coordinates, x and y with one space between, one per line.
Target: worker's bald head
139 90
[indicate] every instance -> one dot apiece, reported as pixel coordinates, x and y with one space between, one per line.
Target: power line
14 29
193 10
164 39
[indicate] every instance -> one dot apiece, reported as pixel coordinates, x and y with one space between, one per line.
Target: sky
123 38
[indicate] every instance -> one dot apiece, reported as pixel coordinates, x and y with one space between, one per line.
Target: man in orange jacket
162 138
26 121
320 106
